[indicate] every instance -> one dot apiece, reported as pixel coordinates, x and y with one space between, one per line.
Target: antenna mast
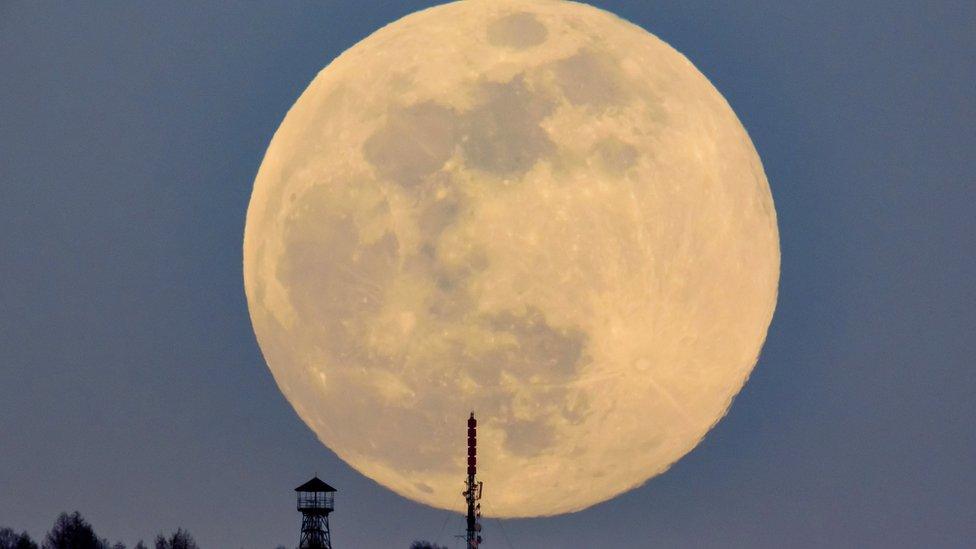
472 488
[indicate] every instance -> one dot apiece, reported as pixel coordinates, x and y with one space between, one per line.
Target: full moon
533 210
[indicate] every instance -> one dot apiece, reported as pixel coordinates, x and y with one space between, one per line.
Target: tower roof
315 485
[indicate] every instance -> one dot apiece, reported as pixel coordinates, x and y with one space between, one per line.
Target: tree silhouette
12 540
181 539
425 545
73 532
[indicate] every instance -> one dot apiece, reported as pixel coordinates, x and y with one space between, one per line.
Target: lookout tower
315 502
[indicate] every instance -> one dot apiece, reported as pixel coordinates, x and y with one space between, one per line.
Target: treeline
74 532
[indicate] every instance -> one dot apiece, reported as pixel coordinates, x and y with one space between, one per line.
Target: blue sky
132 389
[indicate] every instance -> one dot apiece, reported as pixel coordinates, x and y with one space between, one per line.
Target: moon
534 210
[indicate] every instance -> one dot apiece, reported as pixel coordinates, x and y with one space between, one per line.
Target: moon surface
533 210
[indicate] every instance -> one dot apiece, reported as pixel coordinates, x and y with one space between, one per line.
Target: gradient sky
132 388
